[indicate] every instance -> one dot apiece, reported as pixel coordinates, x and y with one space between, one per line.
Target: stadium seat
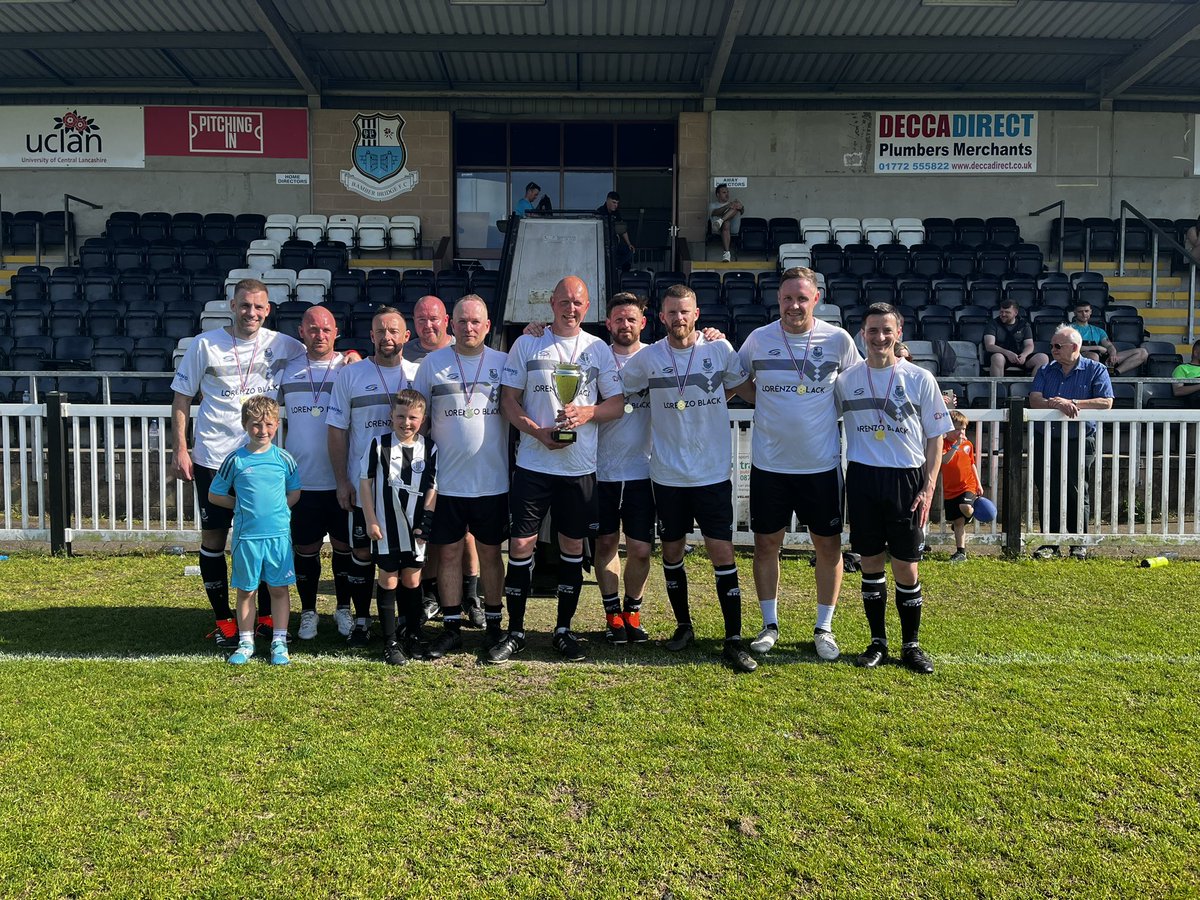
970 231
111 353
791 255
372 232
311 227
828 259
279 227
152 354
346 287
909 231
236 275
73 352
332 255
992 261
1127 329
281 284
295 254
249 227
187 226
135 285
154 226
891 260
205 287
939 231
815 230
121 225
342 228
880 290
55 228
451 286
96 253
1103 236
126 389
163 255
217 314
783 230
753 236
312 285
958 260
1003 230
27 287
65 320
878 232
30 352
229 254
1026 259
859 259
262 255
196 255
1072 239
178 322
985 292
846 230
217 227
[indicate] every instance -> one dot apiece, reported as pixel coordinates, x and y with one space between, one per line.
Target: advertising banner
72 136
955 143
268 133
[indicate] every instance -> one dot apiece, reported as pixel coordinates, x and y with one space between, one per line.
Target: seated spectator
1191 241
1097 346
1008 341
725 217
1189 370
902 351
526 204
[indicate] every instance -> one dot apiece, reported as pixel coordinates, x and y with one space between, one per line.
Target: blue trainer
242 654
279 653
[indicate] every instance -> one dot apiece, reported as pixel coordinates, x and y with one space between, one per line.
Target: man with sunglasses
1069 384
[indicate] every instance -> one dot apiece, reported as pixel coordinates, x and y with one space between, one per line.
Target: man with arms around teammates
360 409
690 459
304 393
462 385
796 458
894 418
553 476
227 366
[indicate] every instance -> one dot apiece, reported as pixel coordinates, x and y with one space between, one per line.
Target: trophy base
563 436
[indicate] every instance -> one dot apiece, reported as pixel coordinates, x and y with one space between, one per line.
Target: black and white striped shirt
402 476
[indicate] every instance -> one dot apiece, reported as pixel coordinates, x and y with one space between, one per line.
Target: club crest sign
380 159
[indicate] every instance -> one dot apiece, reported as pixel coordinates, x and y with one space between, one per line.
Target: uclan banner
267 133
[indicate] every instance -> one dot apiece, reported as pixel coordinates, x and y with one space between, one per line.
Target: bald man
304 391
554 476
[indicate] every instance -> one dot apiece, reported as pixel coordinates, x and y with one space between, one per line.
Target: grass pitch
1052 754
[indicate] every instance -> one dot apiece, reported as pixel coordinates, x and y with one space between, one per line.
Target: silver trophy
566 380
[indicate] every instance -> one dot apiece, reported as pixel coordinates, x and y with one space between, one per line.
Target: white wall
820 163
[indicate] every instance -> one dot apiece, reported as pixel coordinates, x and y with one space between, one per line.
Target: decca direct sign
225 132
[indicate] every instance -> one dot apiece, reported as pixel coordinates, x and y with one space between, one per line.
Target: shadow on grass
147 631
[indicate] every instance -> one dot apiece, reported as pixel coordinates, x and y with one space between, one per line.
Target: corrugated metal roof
126 15
84 64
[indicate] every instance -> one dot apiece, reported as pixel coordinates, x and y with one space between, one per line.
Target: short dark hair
1079 303
884 309
625 298
1007 303
613 195
532 186
718 188
409 397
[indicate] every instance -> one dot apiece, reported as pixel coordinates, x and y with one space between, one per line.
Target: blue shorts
262 559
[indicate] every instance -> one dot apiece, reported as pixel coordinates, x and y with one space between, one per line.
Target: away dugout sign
956 143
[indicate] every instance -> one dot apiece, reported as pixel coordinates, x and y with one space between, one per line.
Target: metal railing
1061 206
93 473
67 229
1157 234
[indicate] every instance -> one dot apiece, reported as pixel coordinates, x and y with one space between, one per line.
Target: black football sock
308 577
412 611
493 617
516 591
730 596
470 589
341 577
677 590
452 618
429 591
214 571
361 577
570 581
908 605
874 594
385 599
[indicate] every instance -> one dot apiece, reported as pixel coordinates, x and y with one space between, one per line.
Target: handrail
67 198
3 265
1062 212
1157 232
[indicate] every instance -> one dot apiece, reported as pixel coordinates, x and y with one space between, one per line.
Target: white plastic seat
794 255
909 232
180 349
281 284
828 312
311 228
878 231
216 314
312 285
815 230
373 232
236 275
280 227
262 255
342 228
846 230
405 231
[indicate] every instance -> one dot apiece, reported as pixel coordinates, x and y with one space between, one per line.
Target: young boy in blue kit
260 483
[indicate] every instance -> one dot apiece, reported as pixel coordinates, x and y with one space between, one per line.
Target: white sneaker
827 647
308 625
344 621
717 223
725 257
765 641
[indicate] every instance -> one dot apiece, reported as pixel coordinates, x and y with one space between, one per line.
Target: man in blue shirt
526 204
1068 384
1097 346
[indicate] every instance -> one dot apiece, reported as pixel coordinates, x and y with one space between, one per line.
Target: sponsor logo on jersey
707 364
817 352
371 387
493 375
775 352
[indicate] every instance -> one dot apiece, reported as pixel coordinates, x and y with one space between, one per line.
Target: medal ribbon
244 379
383 381
469 391
317 391
681 382
807 346
886 394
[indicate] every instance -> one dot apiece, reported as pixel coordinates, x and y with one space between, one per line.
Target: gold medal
469 413
628 408
315 412
680 405
800 389
242 399
880 434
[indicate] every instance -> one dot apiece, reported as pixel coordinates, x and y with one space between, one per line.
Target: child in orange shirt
960 482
